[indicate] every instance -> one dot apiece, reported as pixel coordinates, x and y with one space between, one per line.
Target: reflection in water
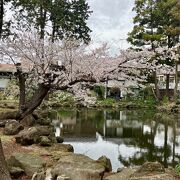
126 137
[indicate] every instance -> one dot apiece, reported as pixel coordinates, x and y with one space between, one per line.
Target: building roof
7 68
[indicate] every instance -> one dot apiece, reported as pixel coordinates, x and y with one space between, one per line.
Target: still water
126 137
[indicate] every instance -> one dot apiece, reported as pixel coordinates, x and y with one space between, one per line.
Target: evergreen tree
157 23
57 18
144 31
156 20
169 20
4 25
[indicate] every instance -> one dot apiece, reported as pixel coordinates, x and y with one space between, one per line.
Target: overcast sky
110 21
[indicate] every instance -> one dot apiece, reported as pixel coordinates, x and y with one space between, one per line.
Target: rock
52 137
44 121
28 137
103 160
39 176
12 127
16 172
28 162
45 141
45 130
62 147
28 121
32 135
59 139
8 114
63 177
123 175
145 172
120 169
163 176
78 167
149 168
2 123
43 175
43 114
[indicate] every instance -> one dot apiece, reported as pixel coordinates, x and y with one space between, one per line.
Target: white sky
110 21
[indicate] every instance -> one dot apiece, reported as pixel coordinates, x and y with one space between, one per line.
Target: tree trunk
4 173
156 86
176 82
43 14
167 85
1 16
165 145
105 89
35 101
22 90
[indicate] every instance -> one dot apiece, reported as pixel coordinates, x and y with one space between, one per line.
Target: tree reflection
152 139
149 150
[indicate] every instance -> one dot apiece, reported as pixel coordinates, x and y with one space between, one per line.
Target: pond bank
54 155
106 103
168 107
37 162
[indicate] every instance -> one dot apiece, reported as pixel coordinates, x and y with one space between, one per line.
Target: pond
126 137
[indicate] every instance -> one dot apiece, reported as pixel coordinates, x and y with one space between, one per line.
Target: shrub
100 90
177 169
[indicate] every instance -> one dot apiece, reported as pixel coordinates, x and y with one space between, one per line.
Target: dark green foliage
100 90
156 20
4 25
177 169
58 18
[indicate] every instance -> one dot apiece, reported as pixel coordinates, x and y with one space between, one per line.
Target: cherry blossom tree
61 64
58 65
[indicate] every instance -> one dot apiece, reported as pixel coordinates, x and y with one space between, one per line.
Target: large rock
8 114
123 175
164 176
150 168
43 121
78 167
153 170
33 134
28 121
12 127
45 141
16 172
28 162
148 171
3 122
28 137
104 161
62 148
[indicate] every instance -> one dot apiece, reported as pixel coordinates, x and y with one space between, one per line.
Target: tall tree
56 18
144 31
4 25
156 24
